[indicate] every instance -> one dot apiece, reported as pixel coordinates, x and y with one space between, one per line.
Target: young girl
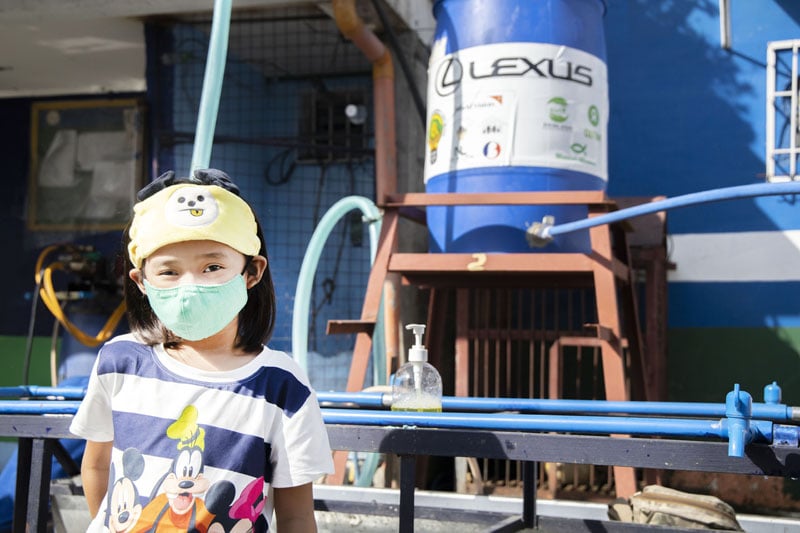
191 422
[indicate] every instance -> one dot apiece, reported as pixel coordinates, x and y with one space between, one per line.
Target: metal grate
333 135
519 348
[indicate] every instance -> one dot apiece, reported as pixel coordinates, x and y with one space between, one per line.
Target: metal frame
532 448
606 268
773 93
38 443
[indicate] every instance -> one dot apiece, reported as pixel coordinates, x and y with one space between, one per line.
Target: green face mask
195 312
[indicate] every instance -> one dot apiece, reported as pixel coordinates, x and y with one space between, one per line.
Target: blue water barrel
517 101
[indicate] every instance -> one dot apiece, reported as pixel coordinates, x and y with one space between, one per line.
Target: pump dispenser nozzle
418 352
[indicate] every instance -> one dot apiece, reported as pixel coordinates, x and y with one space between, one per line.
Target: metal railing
530 439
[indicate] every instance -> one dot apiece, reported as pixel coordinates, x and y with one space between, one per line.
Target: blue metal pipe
33 407
545 232
36 391
372 400
762 429
378 400
663 427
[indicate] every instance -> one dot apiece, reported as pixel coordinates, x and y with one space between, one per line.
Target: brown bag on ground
656 505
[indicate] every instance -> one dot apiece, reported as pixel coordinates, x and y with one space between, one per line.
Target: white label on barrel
516 104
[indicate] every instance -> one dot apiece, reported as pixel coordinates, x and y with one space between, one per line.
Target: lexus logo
450 72
448 76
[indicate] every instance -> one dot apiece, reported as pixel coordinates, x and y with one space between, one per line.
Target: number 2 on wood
477 265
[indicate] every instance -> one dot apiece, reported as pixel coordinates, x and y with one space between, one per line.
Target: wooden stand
606 268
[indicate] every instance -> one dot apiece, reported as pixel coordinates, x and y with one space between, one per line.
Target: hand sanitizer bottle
417 384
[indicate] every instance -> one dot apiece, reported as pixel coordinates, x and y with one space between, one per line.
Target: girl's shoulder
122 354
283 361
123 337
281 381
126 342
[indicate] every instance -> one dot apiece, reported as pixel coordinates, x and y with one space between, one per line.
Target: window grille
782 111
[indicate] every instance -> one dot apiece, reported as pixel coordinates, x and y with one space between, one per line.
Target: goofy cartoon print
177 505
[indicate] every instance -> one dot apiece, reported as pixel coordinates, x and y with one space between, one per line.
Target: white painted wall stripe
736 257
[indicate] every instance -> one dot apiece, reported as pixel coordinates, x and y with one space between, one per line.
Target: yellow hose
40 261
44 278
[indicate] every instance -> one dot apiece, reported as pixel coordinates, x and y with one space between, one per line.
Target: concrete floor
71 516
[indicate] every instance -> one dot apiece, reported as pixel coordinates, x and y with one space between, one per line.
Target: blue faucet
738 411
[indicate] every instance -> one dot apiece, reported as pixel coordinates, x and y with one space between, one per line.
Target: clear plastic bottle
417 385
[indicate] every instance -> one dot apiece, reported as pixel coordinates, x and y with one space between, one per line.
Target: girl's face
195 262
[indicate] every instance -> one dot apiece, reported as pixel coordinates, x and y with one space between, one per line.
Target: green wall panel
13 349
705 363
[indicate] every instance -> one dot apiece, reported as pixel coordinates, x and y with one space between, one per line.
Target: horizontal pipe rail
665 427
378 400
38 407
661 427
37 391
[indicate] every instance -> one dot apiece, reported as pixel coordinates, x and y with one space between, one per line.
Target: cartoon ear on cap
212 176
208 176
162 182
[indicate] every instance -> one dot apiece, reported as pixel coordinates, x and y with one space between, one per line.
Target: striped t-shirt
193 448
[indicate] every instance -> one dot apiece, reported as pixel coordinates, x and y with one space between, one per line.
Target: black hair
256 319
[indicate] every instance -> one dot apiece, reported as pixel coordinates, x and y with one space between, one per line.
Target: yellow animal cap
191 212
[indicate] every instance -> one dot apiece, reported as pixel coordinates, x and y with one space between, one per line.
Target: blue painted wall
687 116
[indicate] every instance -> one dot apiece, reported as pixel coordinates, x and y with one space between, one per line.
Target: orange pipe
352 27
